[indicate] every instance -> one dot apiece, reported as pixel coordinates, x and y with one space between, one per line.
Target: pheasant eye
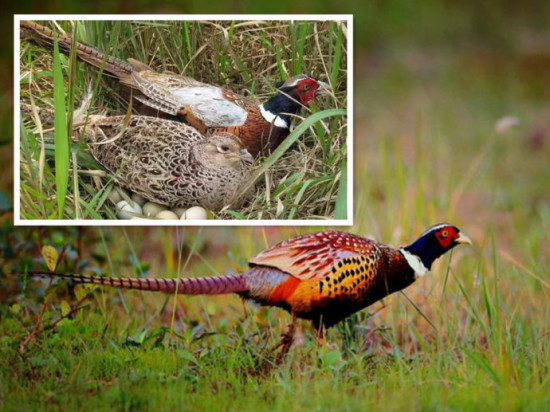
445 233
224 148
306 86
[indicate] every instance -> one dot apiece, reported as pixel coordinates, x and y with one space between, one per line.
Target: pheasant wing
210 106
154 93
312 256
171 93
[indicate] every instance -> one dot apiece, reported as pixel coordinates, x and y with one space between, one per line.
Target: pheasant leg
319 333
286 340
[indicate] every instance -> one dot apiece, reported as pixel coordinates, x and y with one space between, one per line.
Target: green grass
248 58
129 372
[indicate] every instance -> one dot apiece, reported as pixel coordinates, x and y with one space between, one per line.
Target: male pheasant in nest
168 162
323 277
208 108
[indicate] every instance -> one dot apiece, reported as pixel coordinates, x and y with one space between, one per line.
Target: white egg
152 209
140 200
125 210
167 215
195 213
179 211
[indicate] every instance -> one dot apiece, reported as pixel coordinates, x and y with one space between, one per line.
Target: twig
33 333
76 308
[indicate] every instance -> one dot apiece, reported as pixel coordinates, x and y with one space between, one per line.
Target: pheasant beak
323 89
463 239
246 156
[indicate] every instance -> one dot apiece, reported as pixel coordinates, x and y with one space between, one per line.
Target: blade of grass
341 208
298 198
419 310
72 80
60 133
75 187
336 61
300 45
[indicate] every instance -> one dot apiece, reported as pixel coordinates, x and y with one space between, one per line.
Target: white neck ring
415 263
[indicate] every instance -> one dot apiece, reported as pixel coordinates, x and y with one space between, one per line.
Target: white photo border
348 18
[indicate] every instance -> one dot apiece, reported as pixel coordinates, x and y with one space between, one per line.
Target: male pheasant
208 108
323 276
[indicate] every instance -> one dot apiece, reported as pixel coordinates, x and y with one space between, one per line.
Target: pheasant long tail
43 36
216 285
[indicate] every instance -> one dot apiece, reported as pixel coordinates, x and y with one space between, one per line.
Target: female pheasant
168 162
210 109
323 276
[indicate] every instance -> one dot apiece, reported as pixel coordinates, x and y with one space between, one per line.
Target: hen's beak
246 157
463 239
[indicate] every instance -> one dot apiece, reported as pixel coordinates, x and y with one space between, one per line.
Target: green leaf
15 308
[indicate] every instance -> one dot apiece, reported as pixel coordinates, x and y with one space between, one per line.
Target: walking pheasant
208 108
323 276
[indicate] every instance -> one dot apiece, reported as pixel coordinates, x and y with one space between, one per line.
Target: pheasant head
301 87
223 150
291 95
433 243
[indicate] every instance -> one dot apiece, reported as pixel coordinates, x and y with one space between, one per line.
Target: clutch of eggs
136 207
131 210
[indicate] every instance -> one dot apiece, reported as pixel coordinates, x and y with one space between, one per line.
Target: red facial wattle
306 90
446 235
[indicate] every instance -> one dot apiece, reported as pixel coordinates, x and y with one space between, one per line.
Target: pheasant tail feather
44 37
216 285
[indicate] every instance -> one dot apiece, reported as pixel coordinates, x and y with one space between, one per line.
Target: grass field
474 334
247 57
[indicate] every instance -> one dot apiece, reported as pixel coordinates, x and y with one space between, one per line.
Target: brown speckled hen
168 162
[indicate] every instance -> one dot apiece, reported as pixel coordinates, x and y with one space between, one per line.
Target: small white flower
505 123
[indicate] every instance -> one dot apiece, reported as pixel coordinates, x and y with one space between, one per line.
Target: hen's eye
224 148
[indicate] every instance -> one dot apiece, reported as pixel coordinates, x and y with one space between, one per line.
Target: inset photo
183 120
